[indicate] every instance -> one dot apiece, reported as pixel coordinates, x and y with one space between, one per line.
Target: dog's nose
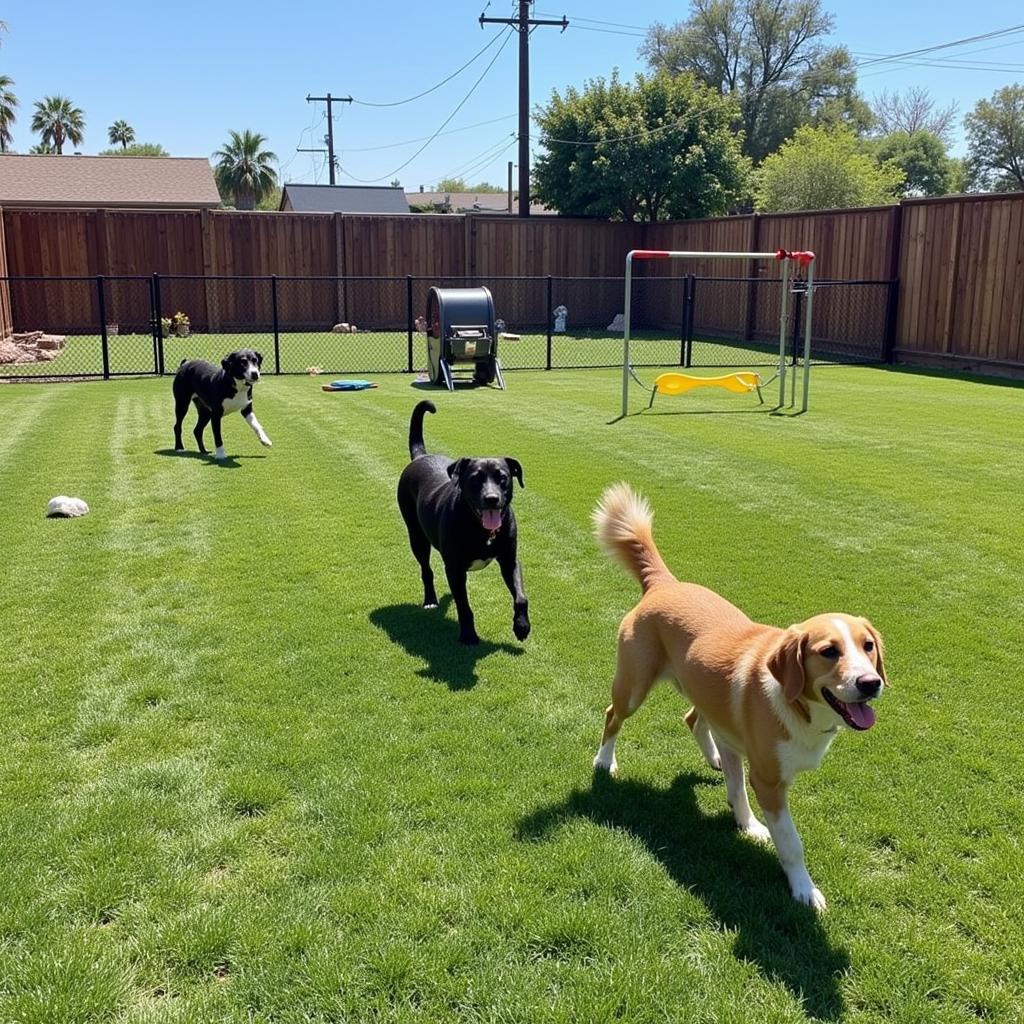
491 500
869 684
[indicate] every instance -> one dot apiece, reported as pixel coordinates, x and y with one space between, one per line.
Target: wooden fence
959 262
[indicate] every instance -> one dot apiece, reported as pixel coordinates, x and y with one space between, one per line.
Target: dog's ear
455 470
515 469
786 663
259 358
226 364
877 637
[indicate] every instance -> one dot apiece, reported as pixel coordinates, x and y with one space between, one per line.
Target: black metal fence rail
119 326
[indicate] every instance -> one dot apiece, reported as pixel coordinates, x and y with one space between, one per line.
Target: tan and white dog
774 696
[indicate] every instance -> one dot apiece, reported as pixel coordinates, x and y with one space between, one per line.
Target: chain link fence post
104 343
277 333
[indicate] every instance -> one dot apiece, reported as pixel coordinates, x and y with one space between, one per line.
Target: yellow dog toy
741 383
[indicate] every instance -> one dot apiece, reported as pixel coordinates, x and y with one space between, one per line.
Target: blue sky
183 74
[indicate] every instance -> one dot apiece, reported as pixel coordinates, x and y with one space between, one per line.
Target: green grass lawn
245 778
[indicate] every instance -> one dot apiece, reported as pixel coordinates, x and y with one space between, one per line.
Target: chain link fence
112 326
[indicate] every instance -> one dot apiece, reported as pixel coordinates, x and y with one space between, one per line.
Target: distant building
98 182
470 202
343 199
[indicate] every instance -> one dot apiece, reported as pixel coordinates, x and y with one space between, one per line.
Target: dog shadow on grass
739 880
428 634
231 462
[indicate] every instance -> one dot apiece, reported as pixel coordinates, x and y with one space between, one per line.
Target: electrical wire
465 99
1013 29
621 138
409 142
484 160
433 88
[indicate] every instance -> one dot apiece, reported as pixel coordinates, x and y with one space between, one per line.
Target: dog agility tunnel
461 332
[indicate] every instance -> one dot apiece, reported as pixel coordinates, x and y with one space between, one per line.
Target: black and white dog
463 508
217 392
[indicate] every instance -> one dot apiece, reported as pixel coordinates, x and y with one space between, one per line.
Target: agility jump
787 259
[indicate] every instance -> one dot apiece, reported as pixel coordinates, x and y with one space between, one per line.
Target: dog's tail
622 523
416 445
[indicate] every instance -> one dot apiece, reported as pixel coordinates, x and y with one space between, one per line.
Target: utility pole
523 24
329 99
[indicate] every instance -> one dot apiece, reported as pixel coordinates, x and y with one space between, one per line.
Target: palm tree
244 171
8 101
121 131
56 120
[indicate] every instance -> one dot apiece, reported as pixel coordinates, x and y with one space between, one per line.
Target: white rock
64 507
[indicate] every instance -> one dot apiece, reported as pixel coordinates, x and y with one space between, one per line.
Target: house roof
472 202
110 181
344 199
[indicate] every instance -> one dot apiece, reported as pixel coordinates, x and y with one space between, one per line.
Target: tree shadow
738 879
427 634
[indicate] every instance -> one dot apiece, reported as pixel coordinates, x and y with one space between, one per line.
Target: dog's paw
611 767
266 442
521 628
756 831
469 639
811 896
219 454
429 604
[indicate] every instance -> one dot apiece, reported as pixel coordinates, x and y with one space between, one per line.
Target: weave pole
804 259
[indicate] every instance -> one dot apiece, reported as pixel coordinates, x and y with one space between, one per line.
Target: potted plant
165 326
182 324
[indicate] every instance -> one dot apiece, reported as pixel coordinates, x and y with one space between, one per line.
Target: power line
594 21
944 46
444 123
409 142
433 88
621 138
481 160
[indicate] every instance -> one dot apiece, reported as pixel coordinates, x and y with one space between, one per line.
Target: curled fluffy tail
416 445
622 523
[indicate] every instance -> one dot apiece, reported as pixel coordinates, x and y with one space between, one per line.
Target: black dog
463 509
215 393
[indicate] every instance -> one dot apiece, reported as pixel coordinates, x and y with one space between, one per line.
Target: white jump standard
802 259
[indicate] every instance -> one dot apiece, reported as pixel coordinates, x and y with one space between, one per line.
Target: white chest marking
479 563
239 400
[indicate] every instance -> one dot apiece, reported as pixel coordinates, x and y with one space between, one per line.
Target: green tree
661 147
995 141
41 149
57 120
121 131
271 200
927 170
771 56
244 170
452 185
821 169
8 101
486 188
137 149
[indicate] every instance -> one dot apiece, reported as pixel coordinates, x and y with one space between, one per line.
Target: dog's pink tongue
862 714
491 519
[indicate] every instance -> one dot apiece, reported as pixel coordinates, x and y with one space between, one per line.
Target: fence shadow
739 880
428 634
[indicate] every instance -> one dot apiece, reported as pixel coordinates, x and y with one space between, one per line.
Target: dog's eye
869 645
502 479
831 652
